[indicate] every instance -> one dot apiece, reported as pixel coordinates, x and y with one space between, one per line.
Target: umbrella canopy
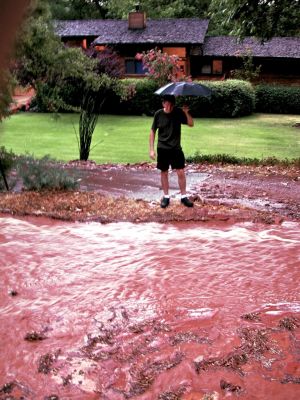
184 89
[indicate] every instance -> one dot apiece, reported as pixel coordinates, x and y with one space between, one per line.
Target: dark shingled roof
284 47
180 30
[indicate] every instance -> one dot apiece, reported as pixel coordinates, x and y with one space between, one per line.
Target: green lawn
125 138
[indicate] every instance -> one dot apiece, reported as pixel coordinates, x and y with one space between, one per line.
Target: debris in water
145 376
229 387
255 316
34 336
173 395
7 388
46 361
187 337
291 379
289 323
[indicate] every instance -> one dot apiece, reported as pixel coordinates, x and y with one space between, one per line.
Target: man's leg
181 181
182 186
164 176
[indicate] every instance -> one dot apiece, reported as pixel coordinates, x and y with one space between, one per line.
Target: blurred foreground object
11 16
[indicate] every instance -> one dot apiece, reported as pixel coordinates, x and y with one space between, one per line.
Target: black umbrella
184 89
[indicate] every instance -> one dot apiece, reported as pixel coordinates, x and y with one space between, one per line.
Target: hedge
144 101
277 99
230 98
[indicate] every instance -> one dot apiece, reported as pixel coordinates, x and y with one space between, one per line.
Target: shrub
142 101
229 99
160 67
44 174
199 158
277 99
7 160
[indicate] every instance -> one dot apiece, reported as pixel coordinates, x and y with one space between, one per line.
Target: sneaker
187 202
164 202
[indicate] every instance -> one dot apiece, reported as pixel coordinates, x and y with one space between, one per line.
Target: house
182 37
279 57
201 56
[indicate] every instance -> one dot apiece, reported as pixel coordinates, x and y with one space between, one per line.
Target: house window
206 69
177 51
215 67
134 67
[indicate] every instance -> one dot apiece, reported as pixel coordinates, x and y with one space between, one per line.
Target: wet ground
148 311
110 193
270 189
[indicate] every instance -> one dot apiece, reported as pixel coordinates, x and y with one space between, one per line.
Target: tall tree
55 70
91 9
78 9
261 18
159 9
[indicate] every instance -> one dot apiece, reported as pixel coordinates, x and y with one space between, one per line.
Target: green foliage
124 139
263 19
248 72
78 9
161 67
230 98
277 99
6 88
7 159
93 98
55 71
159 9
64 77
199 158
142 100
37 47
44 174
90 109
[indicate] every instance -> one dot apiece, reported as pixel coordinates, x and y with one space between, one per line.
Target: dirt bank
110 193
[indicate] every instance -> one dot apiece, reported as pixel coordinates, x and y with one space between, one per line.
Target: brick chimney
137 19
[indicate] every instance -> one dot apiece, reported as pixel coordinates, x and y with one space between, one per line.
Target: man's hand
152 155
185 108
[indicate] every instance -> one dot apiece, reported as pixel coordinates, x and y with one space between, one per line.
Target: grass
124 139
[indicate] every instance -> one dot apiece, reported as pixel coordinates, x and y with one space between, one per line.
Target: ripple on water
128 299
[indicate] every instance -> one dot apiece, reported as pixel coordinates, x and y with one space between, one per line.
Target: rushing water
149 311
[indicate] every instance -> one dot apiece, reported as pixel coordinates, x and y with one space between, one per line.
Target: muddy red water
149 311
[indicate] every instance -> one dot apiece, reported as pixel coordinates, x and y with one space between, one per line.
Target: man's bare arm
190 121
151 144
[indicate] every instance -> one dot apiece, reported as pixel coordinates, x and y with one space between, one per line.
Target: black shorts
167 157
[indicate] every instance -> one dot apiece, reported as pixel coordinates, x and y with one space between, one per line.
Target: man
168 121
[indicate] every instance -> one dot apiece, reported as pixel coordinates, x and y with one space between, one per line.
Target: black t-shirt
169 127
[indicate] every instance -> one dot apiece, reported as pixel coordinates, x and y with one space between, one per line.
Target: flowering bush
160 66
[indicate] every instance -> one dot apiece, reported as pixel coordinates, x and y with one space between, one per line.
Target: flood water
149 311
